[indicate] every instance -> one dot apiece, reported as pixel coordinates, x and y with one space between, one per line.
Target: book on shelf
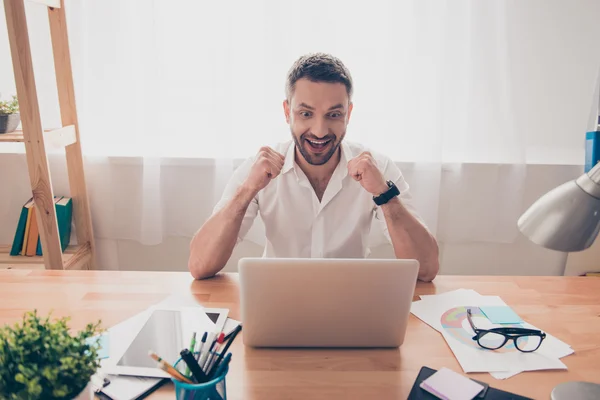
21 233
32 234
27 236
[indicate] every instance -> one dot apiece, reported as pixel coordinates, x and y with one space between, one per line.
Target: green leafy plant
40 359
9 107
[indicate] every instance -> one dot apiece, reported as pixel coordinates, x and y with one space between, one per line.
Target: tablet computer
165 331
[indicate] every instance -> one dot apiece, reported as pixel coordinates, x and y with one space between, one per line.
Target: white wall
495 252
584 261
521 258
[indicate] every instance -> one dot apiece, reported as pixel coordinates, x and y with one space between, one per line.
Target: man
316 194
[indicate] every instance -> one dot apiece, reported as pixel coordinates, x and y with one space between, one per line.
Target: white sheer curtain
450 81
173 93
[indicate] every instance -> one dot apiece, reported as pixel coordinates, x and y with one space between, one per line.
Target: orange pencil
173 372
168 368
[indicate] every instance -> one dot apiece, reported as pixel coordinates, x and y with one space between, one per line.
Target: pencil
168 368
154 356
173 372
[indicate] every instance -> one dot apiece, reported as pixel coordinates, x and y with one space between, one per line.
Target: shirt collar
290 156
289 162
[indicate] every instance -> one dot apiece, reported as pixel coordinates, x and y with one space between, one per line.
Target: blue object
223 365
592 149
104 351
501 315
214 389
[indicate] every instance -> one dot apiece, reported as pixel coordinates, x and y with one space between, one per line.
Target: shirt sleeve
238 177
391 172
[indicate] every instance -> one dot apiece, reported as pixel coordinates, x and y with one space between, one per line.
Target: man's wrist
381 189
245 194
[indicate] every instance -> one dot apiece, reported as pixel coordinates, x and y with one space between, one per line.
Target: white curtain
464 95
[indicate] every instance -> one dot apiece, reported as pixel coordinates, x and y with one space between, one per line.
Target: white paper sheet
446 314
551 345
431 309
473 358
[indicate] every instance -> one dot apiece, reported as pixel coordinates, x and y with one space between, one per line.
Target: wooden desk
567 307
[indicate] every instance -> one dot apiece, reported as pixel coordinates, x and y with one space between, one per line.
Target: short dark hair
318 67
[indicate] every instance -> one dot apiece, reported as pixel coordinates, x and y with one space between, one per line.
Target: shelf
48 3
39 139
56 138
74 257
16 136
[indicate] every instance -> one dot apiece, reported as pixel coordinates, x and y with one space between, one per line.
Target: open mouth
318 146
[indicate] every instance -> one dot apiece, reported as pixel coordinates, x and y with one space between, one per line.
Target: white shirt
297 225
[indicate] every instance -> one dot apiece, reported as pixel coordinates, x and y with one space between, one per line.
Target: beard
317 154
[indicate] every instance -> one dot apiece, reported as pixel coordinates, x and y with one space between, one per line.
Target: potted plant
40 359
9 115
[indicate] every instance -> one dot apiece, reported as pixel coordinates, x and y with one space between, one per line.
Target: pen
221 367
207 348
192 345
99 383
231 339
189 359
168 368
215 348
202 342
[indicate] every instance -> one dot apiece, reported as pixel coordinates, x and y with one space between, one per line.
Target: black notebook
489 393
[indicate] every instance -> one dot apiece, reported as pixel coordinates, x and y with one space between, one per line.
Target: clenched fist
363 169
266 167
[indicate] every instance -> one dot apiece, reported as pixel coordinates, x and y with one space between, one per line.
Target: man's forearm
411 239
213 244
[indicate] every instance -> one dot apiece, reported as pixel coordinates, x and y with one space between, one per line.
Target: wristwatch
387 195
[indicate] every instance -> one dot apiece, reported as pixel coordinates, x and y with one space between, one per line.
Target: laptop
325 302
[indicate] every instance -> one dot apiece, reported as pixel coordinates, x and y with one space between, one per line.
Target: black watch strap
387 195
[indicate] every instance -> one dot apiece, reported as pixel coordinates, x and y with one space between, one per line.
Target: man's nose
321 129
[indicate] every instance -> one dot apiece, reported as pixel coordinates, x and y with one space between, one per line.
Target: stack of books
27 237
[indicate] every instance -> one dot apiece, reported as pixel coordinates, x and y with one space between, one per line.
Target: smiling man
317 193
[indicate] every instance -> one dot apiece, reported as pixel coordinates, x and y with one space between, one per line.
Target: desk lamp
567 219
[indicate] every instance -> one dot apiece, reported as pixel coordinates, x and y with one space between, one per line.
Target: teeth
317 142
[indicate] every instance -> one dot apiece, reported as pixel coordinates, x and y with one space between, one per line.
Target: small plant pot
9 122
86 394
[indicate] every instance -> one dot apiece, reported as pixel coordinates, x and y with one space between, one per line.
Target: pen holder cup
215 389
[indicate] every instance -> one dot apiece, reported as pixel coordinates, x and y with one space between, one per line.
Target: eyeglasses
526 340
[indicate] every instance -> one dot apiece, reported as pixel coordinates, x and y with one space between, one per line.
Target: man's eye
335 115
305 114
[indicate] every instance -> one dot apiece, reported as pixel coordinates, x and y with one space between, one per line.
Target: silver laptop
325 302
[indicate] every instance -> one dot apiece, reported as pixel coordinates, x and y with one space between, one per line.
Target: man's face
318 113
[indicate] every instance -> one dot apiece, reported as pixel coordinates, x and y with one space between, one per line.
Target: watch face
389 194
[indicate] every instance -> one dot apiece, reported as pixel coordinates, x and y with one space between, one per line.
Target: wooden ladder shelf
81 256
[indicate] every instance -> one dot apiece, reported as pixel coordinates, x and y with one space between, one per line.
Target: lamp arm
590 182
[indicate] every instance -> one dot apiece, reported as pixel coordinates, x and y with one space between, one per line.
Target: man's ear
350 107
286 110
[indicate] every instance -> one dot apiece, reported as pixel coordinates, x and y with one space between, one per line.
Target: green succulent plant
40 359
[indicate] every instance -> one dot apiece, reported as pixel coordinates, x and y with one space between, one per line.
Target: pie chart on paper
455 324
